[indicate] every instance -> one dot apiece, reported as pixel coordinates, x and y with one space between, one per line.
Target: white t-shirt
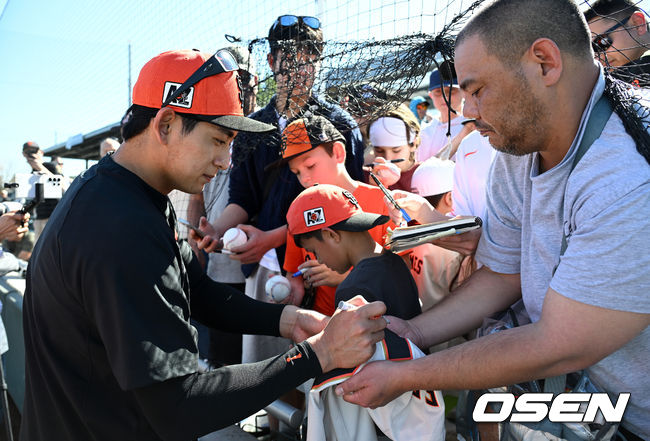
603 207
434 138
473 160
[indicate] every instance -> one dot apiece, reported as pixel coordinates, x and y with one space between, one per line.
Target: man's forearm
509 357
278 236
195 208
483 294
191 406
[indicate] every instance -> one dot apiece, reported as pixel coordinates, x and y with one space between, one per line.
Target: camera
52 186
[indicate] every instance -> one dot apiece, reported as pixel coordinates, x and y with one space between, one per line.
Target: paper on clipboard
404 238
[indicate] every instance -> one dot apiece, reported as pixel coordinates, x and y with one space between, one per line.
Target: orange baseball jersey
371 200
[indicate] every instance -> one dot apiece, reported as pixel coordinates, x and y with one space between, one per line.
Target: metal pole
129 78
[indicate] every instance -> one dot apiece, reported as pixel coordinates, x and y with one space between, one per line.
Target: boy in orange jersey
315 151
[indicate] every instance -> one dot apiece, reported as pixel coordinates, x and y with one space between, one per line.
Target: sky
65 63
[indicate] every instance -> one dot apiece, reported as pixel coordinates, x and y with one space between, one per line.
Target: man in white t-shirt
434 136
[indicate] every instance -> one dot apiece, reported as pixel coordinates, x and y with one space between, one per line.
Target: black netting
368 78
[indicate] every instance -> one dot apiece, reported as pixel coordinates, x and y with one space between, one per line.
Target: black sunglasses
292 20
602 42
222 61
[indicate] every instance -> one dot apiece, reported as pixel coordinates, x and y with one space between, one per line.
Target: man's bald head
108 145
508 28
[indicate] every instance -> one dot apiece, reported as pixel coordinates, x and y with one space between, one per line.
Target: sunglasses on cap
292 20
602 42
222 61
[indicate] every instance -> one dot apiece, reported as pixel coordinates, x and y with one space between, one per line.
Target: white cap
389 132
434 176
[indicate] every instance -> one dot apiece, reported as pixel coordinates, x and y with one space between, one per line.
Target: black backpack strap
599 116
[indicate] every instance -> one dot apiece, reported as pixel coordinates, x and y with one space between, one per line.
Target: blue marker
298 273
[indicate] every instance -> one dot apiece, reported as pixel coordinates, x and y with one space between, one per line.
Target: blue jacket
252 153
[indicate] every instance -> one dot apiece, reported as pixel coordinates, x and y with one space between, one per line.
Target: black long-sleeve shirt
110 353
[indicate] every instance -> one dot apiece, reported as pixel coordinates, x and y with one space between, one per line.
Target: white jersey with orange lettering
417 415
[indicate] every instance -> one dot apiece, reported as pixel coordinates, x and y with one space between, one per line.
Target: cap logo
315 216
186 98
352 199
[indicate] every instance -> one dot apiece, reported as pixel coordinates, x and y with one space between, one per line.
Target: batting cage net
368 57
372 77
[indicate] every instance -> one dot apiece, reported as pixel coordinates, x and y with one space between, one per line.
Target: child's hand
318 274
415 205
297 291
387 172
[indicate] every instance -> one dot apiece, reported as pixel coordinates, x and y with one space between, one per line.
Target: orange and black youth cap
215 99
307 133
329 206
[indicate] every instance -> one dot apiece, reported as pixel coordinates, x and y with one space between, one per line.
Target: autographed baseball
234 237
278 288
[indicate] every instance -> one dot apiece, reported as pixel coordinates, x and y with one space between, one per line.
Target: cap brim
444 84
361 222
239 123
282 161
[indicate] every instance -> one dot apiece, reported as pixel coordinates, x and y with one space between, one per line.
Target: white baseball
234 237
278 288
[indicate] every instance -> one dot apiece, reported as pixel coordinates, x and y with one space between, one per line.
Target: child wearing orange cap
315 153
328 222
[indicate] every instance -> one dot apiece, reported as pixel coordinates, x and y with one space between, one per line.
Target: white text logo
564 408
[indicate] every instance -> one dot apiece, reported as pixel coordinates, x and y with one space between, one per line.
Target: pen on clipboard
392 161
390 197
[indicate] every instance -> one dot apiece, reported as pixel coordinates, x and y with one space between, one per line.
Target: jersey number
429 397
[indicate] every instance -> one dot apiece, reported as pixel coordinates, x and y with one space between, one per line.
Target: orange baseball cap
329 206
307 133
215 99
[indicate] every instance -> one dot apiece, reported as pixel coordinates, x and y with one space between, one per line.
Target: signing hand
319 274
387 172
350 336
416 206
